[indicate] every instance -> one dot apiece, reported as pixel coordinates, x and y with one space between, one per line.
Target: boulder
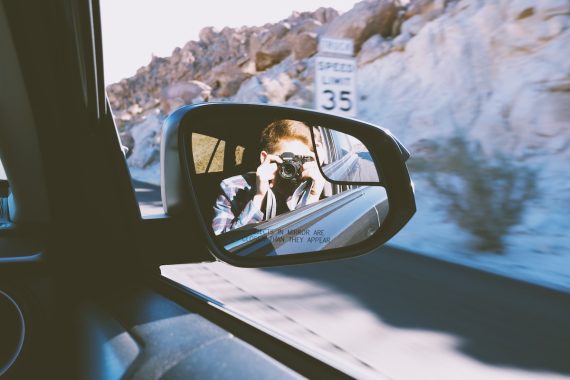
270 46
207 35
413 25
146 137
308 25
127 141
375 47
399 43
325 15
305 45
278 89
302 98
251 91
271 54
364 20
226 79
181 93
428 9
275 85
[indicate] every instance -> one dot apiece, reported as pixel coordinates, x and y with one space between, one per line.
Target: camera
291 167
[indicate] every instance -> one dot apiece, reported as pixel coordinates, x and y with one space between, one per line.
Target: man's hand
311 171
265 178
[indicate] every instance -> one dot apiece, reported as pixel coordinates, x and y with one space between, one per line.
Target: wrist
316 189
258 200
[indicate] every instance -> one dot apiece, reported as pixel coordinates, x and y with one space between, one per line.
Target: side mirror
274 185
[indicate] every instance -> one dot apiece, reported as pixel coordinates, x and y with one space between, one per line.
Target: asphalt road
402 315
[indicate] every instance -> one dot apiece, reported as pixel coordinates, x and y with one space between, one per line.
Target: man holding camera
287 178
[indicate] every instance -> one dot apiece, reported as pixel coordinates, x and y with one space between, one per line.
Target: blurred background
479 91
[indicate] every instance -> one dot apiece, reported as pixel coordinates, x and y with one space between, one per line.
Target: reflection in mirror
261 190
347 157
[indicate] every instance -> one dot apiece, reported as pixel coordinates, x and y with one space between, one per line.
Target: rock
529 25
271 55
375 47
146 137
428 9
480 70
553 8
275 85
134 109
251 91
222 60
270 46
325 15
181 93
494 73
226 78
248 67
302 98
399 43
309 25
366 19
128 141
123 116
305 45
413 25
279 89
207 35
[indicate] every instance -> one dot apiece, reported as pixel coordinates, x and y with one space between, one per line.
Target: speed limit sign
335 85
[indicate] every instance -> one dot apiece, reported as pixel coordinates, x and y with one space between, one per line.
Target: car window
208 153
489 145
345 143
238 154
205 57
333 144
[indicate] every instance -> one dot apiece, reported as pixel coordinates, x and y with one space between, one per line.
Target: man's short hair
284 129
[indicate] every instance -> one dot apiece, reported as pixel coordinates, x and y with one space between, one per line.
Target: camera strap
299 198
270 205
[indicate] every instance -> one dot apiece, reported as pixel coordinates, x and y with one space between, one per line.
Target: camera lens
288 171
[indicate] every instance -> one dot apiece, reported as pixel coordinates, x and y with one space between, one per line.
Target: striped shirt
234 206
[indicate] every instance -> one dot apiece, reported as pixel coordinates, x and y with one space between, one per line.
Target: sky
134 30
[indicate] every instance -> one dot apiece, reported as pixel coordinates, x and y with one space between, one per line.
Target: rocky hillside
481 95
221 62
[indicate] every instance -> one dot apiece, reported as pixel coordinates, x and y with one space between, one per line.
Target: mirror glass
347 158
261 188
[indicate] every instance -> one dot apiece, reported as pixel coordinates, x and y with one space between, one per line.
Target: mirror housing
179 192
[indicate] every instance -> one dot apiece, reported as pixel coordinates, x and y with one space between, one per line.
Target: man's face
296 147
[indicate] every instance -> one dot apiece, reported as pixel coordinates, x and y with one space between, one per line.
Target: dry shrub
485 196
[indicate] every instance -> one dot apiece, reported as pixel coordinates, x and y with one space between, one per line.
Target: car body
348 217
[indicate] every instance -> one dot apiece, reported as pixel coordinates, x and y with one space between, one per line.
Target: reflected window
208 153
239 154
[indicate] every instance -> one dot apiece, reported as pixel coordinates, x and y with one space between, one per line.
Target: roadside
402 315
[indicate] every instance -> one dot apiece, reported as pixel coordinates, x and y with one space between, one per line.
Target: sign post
335 77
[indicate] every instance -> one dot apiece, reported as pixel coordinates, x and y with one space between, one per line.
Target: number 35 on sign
335 85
